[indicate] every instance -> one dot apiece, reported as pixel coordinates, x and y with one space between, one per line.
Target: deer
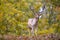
33 22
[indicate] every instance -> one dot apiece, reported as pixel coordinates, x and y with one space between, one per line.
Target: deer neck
36 19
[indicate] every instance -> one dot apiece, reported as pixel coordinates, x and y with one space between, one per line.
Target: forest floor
38 37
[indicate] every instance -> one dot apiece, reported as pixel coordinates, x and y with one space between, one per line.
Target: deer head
39 13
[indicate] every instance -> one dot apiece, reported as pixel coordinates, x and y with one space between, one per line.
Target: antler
32 9
42 9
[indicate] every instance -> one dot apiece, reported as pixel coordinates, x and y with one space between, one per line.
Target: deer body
33 23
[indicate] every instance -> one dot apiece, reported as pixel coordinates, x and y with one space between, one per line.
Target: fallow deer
33 22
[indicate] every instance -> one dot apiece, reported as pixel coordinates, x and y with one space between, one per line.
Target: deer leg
29 30
36 29
32 31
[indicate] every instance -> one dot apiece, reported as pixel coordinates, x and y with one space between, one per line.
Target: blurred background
14 15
